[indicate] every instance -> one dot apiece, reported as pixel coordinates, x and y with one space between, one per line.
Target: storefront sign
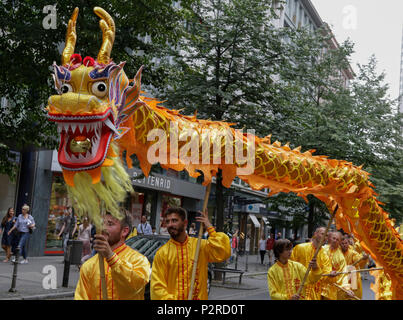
168 184
156 182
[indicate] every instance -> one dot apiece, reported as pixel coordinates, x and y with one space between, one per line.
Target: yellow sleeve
131 274
342 279
314 275
83 287
325 265
217 246
276 289
294 254
159 281
356 257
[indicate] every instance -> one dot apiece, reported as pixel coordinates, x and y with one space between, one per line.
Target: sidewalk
252 267
250 264
33 278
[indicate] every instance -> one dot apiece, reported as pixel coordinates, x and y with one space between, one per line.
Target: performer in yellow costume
285 276
173 262
303 253
338 262
126 271
352 257
382 286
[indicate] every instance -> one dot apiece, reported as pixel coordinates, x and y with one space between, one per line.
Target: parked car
148 246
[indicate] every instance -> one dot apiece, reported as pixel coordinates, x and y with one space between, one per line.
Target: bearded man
303 253
353 257
338 262
126 271
173 263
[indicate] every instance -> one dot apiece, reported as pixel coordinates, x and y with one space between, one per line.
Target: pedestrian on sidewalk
234 245
25 224
84 235
66 227
7 239
262 248
192 230
144 227
92 250
269 248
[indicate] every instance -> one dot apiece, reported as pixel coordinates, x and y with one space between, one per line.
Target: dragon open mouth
84 140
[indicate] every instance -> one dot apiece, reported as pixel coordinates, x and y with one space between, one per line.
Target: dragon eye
99 88
66 88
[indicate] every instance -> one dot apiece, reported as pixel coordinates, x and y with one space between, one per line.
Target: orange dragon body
103 117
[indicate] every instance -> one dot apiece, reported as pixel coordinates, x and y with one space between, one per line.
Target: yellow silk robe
284 280
382 286
127 272
303 253
338 262
173 263
351 257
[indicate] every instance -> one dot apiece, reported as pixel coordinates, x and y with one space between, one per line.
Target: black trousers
262 253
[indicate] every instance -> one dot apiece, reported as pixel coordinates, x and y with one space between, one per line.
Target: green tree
378 142
224 66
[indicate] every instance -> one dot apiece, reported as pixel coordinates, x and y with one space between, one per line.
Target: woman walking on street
25 224
262 248
7 240
84 234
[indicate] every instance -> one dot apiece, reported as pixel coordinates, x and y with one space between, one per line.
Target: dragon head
91 103
92 109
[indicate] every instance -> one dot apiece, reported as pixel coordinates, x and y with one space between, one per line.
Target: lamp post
67 254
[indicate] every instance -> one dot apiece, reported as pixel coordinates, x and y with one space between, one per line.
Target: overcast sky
374 26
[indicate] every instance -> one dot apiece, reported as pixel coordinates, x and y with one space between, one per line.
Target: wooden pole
317 250
346 272
358 261
346 291
206 196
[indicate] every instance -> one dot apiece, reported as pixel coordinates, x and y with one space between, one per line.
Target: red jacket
269 244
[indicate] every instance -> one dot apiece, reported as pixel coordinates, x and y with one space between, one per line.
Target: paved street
34 278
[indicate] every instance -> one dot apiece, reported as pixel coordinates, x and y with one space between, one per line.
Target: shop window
136 207
58 204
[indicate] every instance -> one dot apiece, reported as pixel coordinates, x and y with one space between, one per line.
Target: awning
266 221
254 220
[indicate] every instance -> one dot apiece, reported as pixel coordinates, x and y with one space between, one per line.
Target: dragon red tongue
83 146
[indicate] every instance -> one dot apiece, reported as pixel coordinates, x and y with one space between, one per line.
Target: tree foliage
233 65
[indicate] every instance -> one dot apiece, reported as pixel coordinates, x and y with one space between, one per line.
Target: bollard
72 256
66 270
15 269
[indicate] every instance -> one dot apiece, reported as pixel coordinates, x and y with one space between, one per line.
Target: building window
294 13
136 206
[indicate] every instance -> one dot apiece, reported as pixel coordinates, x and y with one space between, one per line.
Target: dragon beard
90 199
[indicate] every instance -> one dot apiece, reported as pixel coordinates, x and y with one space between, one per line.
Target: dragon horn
107 26
71 37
